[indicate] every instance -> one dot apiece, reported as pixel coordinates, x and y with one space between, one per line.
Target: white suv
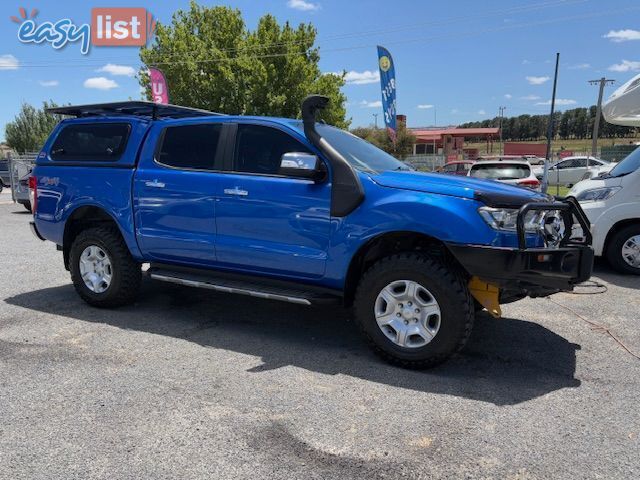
612 204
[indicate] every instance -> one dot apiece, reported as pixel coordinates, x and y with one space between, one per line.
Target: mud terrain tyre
103 271
414 311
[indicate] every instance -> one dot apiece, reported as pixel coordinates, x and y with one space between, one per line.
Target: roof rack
135 108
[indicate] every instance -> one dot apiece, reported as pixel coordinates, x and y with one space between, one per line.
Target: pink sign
159 90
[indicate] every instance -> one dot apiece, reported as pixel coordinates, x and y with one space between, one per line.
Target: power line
360 47
394 29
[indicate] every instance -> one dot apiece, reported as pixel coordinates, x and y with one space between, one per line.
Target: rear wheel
414 311
623 252
102 270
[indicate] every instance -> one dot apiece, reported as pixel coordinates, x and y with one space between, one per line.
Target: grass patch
558 191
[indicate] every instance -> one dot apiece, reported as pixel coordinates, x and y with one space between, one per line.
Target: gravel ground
193 384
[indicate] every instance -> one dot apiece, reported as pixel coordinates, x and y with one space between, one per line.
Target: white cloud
374 104
100 83
579 66
454 111
8 62
508 96
619 36
625 66
425 106
559 101
49 83
530 97
525 62
537 80
303 5
113 69
361 78
481 112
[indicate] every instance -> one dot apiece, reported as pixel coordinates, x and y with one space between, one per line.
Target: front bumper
534 271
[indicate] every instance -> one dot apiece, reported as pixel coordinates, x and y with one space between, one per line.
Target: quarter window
190 146
259 149
91 142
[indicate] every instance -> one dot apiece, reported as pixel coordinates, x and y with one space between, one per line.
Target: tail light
533 183
33 193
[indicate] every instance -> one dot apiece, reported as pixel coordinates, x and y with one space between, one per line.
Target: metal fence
425 162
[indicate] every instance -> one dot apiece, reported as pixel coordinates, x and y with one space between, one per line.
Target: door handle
154 184
236 191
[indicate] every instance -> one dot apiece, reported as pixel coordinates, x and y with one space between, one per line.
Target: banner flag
388 88
159 90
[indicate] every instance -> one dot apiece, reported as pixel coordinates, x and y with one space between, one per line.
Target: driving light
597 194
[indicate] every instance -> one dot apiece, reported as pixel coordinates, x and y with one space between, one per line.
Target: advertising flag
388 88
159 90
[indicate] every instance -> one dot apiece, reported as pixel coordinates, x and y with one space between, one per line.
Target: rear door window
191 147
91 142
503 171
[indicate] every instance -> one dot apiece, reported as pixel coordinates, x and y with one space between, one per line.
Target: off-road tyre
126 272
447 286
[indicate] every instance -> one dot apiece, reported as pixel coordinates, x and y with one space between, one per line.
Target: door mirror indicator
302 165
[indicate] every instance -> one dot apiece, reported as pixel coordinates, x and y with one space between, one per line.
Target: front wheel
102 270
623 252
414 311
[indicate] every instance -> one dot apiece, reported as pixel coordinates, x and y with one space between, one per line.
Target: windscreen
361 154
628 165
502 171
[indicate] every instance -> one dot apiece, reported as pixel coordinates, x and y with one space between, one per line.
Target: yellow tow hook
487 294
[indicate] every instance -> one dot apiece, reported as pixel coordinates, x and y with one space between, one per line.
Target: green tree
212 61
380 138
30 128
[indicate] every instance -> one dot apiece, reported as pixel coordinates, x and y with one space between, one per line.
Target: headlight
506 218
549 224
597 194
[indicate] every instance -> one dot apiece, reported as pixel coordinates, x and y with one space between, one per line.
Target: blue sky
458 59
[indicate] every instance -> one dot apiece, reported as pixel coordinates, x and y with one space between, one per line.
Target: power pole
545 175
596 121
375 119
501 115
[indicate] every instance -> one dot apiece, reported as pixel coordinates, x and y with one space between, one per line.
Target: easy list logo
110 27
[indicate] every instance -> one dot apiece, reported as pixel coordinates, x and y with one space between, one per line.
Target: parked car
5 180
594 172
533 160
570 170
19 170
512 172
460 167
612 204
295 211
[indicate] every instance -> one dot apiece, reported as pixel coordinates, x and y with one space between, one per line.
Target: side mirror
302 165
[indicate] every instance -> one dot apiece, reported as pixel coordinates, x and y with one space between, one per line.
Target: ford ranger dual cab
296 211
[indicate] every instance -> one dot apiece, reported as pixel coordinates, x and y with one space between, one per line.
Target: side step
250 286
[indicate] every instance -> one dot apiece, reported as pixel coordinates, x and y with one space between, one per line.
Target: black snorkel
346 191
